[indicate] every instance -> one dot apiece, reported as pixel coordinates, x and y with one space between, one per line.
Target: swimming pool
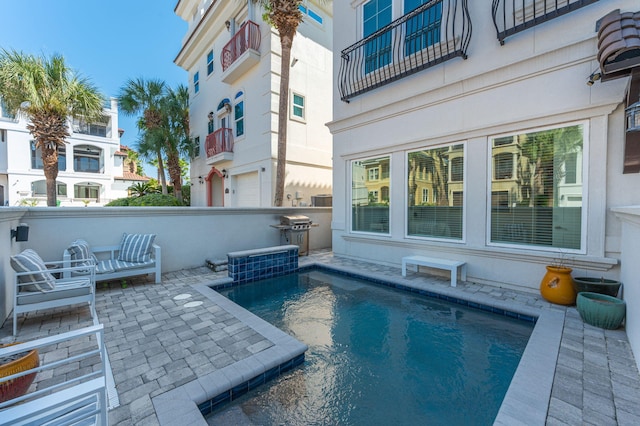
379 355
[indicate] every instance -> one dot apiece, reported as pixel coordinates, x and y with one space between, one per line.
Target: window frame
196 82
210 62
239 101
293 115
350 168
458 186
584 225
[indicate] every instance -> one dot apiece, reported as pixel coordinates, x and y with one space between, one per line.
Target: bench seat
436 263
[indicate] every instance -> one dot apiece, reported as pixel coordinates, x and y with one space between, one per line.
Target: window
39 188
196 147
36 157
87 159
87 190
4 111
196 82
369 197
210 62
503 166
298 106
541 204
238 114
376 14
438 173
422 30
306 10
93 129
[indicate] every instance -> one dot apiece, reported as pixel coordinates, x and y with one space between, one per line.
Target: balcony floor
157 344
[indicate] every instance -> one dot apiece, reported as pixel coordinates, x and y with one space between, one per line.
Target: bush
145 200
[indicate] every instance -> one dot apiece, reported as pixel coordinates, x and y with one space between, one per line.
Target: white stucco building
93 167
233 60
467 130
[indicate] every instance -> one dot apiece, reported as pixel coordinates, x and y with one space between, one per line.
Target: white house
92 167
489 131
233 60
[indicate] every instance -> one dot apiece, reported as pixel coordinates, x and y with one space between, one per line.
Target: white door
247 190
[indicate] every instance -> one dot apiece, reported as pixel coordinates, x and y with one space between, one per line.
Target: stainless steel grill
294 229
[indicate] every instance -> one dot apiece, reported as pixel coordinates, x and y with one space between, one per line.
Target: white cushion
29 261
136 247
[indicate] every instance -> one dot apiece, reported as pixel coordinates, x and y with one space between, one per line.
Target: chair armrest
112 250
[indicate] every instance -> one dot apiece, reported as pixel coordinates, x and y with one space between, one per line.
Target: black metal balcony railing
247 37
512 16
429 35
219 141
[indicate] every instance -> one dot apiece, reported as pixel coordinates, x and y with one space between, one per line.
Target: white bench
432 262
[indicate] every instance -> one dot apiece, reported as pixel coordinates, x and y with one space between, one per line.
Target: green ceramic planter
601 310
596 285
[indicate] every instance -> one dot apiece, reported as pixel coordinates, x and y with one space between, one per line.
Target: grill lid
294 220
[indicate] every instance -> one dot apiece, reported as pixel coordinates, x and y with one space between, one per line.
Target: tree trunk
50 168
161 176
283 106
173 164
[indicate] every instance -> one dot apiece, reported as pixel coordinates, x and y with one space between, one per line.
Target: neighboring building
91 166
473 130
233 60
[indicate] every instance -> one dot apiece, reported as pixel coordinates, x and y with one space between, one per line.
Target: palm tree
48 92
174 133
285 16
144 97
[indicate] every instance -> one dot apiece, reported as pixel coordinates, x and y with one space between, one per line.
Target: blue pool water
380 356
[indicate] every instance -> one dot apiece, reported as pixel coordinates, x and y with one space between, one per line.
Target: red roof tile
132 176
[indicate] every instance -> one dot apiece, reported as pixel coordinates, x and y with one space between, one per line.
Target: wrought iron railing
512 16
429 35
247 37
219 141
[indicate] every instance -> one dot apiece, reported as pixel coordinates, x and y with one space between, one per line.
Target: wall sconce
227 107
632 113
21 233
595 76
228 25
201 180
294 61
210 116
225 174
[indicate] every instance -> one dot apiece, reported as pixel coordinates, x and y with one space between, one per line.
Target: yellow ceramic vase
557 286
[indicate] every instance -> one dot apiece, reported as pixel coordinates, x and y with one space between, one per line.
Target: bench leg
454 276
404 268
463 272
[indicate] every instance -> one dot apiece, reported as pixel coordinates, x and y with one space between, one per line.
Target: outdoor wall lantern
21 233
210 116
228 25
633 117
201 180
225 174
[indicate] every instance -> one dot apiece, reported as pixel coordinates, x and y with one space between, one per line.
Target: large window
435 196
377 14
87 159
238 114
87 190
39 188
210 62
93 129
536 199
422 30
370 195
196 82
297 106
36 158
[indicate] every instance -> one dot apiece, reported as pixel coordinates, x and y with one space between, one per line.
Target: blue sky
108 41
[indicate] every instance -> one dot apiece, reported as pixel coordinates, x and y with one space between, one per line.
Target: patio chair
37 284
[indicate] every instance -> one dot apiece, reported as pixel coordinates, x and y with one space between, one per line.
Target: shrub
120 202
155 200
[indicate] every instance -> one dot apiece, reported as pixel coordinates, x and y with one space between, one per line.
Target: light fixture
227 107
632 114
21 233
294 61
225 174
595 76
210 116
228 25
201 180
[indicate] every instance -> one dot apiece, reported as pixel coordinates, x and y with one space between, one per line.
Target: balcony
429 35
512 16
219 146
241 52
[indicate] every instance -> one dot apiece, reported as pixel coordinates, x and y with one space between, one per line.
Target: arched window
39 188
36 158
87 190
87 159
238 113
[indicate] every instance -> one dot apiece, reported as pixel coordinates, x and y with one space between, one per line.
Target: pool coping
527 397
182 404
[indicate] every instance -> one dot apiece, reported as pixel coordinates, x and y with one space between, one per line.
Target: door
247 190
216 186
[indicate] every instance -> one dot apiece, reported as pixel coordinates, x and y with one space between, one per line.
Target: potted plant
597 285
601 310
557 284
14 364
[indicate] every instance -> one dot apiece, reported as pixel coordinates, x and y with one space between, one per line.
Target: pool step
217 265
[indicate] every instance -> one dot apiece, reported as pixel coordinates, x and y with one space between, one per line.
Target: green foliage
155 200
143 188
186 195
120 202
